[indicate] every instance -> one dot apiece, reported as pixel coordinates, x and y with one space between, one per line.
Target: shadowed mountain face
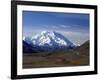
27 48
84 48
46 42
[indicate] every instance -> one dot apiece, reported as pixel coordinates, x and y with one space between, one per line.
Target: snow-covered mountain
49 41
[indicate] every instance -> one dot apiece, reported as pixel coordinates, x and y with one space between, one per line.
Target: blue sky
74 26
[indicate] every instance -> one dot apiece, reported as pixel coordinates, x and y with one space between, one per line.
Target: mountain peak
51 33
44 32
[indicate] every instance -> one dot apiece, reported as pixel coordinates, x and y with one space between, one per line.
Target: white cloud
64 26
55 27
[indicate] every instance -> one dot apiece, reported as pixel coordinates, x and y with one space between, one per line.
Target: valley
78 56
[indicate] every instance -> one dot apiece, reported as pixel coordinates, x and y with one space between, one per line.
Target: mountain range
46 41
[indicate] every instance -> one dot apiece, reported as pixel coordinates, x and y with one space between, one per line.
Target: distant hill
84 48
